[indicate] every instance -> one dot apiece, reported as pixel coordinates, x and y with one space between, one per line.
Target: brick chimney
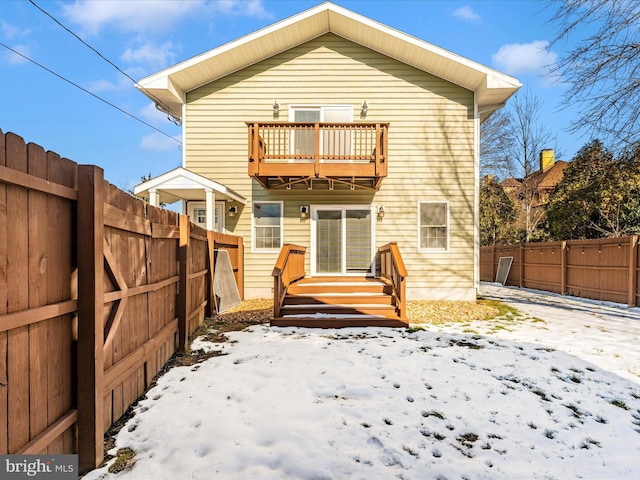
547 159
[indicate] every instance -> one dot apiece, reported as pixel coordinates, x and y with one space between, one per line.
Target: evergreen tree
497 215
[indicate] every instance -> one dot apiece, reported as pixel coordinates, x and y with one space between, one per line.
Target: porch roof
169 86
183 184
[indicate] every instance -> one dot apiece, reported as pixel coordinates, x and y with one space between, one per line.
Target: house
339 135
532 192
540 183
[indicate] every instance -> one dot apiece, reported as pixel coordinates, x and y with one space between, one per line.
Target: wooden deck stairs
336 302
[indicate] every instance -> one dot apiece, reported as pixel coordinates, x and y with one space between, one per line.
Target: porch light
276 109
233 211
364 108
381 211
304 212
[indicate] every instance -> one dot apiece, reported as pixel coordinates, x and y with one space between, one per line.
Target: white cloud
15 59
466 13
108 86
157 56
247 8
10 32
153 115
151 15
136 16
156 142
525 58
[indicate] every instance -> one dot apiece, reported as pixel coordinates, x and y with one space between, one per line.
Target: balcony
318 155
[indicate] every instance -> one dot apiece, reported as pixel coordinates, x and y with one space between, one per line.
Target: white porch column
211 202
153 197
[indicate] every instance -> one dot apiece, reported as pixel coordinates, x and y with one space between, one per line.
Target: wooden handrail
326 141
393 269
288 269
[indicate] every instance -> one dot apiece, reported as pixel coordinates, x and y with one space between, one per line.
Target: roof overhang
183 184
170 86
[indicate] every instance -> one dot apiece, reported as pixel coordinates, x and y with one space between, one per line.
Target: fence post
493 261
521 265
633 270
211 247
563 268
240 277
90 368
183 288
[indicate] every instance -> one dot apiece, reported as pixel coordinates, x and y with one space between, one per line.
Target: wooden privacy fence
97 292
602 269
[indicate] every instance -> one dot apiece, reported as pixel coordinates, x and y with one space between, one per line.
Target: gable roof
183 184
169 86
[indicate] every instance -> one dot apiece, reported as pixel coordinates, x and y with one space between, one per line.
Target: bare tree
603 67
494 145
528 137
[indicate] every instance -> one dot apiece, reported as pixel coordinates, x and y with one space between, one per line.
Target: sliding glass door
342 240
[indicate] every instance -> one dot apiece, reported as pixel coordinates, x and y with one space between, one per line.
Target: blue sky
142 37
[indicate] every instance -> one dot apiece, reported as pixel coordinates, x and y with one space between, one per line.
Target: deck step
339 322
336 302
339 309
339 298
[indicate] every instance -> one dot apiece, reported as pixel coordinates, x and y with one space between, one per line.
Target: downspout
476 195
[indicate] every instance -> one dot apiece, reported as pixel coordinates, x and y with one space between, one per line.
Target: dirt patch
442 311
250 312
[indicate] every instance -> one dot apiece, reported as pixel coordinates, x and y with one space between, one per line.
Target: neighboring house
334 132
540 183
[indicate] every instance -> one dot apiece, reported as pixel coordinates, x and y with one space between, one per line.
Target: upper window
267 226
433 225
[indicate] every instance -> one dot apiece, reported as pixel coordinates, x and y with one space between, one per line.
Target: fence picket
602 269
43 199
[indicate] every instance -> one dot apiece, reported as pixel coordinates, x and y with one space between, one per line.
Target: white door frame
313 239
219 206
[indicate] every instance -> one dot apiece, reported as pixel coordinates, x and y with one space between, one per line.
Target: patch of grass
532 426
541 393
575 379
588 442
433 413
439 436
437 312
467 439
576 411
619 403
550 434
602 420
124 460
538 320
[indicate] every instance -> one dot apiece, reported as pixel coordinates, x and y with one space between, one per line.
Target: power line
165 108
89 92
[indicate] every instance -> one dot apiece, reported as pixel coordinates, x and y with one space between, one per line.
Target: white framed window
267 226
433 226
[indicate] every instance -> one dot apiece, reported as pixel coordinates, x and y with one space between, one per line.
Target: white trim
192 207
476 195
222 215
254 249
184 133
343 208
448 225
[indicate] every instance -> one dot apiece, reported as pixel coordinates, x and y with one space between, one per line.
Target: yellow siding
431 151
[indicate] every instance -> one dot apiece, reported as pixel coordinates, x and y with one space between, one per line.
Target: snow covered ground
551 394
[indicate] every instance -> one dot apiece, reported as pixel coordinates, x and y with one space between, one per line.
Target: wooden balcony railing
284 154
393 270
289 268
